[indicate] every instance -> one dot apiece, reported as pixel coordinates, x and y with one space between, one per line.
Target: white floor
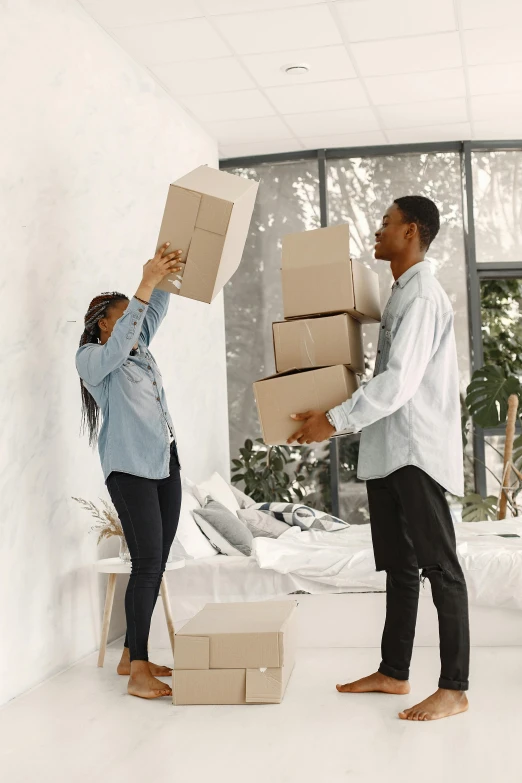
82 727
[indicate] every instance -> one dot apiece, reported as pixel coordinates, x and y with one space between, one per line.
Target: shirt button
135 322
154 383
158 399
141 309
149 367
379 350
383 326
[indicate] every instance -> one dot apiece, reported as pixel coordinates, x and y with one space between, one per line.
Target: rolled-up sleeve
411 350
95 362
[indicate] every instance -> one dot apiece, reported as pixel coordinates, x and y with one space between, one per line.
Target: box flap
214 214
192 652
219 184
316 248
199 277
264 686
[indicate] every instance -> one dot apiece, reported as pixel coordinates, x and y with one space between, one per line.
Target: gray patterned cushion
261 524
223 529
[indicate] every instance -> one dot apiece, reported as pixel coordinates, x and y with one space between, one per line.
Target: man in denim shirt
410 455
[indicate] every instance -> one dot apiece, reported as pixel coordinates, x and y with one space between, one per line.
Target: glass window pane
359 192
501 307
287 201
497 197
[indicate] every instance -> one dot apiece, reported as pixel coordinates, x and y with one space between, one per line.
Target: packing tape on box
308 353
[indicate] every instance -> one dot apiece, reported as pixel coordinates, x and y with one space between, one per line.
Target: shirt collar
421 266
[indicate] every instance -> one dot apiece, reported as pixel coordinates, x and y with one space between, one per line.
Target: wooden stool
114 566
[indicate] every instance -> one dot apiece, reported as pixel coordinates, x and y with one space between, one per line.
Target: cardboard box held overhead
207 217
241 653
279 396
318 342
320 278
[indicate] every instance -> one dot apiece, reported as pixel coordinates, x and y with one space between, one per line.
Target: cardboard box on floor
240 653
279 396
323 341
320 278
207 217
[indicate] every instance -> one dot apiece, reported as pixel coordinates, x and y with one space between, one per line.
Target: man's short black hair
423 212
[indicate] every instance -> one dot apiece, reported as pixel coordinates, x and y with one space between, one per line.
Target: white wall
88 146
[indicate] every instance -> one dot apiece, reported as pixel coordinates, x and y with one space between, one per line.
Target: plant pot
124 550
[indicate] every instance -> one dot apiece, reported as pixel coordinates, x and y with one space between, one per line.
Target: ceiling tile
324 96
228 105
367 20
153 44
452 132
204 76
387 90
259 148
272 31
486 79
498 128
325 63
363 139
213 7
479 13
333 122
124 13
408 55
243 131
501 45
501 108
412 115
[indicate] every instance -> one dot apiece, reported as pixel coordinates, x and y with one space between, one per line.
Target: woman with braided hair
121 381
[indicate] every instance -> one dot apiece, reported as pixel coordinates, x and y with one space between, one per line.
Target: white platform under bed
340 617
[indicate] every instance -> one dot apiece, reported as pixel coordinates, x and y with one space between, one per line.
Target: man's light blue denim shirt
409 412
136 430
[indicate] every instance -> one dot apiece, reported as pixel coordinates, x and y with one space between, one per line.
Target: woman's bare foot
144 685
441 704
376 683
155 669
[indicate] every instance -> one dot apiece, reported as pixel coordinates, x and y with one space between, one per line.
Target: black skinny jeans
149 513
412 530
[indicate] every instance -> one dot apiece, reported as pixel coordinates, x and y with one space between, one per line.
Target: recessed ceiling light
296 68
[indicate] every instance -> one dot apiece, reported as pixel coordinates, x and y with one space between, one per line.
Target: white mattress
317 562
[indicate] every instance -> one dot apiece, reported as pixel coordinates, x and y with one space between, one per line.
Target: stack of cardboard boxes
318 347
236 654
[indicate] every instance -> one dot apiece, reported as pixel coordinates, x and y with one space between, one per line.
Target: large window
479 266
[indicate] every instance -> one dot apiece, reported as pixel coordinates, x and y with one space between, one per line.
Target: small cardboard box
279 396
207 217
320 278
240 653
318 342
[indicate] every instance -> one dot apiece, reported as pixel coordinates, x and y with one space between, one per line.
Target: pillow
304 517
261 524
217 489
244 500
188 533
223 529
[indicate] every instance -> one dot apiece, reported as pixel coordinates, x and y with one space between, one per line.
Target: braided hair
99 308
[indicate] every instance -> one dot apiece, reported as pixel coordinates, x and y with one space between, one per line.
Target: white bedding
343 561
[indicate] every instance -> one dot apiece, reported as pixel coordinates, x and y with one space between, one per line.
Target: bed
340 594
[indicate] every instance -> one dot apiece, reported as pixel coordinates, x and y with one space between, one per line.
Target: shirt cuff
340 420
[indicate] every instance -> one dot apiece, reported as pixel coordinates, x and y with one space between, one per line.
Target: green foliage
502 324
478 509
488 394
266 472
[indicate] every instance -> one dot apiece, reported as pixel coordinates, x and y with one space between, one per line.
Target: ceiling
379 72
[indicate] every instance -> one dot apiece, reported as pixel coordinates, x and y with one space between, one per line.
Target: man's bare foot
155 669
376 683
441 704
